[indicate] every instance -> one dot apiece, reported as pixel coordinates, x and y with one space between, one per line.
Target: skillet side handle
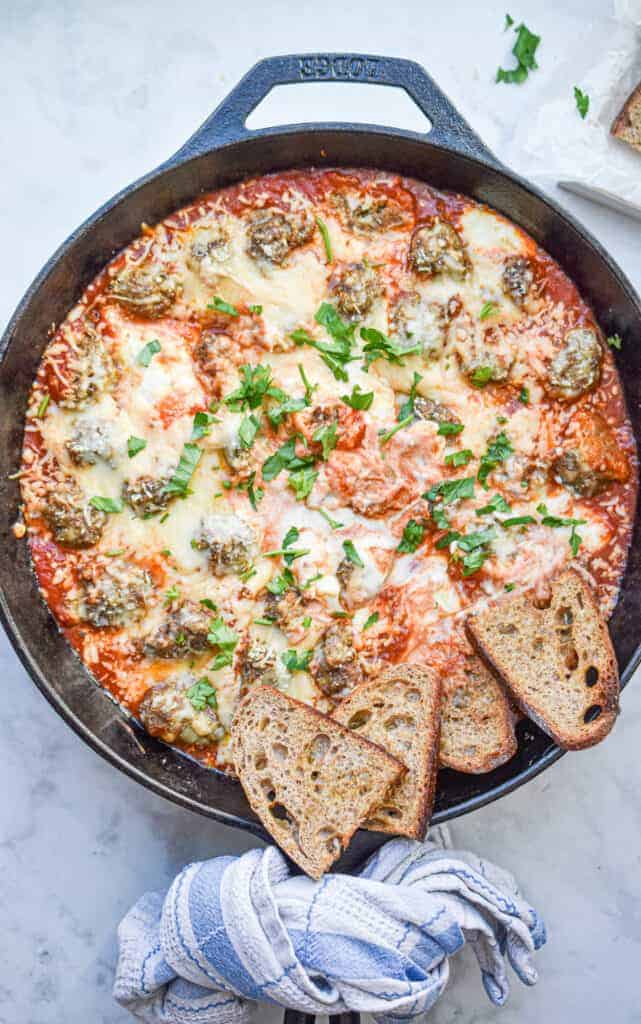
227 123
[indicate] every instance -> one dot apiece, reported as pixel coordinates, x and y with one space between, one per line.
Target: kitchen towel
235 930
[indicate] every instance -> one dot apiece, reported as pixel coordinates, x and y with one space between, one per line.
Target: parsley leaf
255 383
296 661
248 430
202 695
135 445
614 341
202 423
220 635
189 459
222 307
352 554
207 602
509 21
459 458
498 451
379 346
413 534
302 482
279 584
518 521
385 435
285 457
449 429
322 227
277 415
309 388
407 408
488 309
147 352
171 595
327 438
524 50
337 352
451 490
524 395
255 494
482 376
107 504
42 407
371 620
334 523
556 522
495 504
472 541
256 310
358 399
582 101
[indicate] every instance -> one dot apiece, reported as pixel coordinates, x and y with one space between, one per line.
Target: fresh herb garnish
482 376
255 309
407 408
256 382
171 595
111 505
337 352
277 415
385 435
556 522
379 346
202 423
309 388
322 227
451 490
413 534
285 458
459 458
327 438
202 695
450 429
371 620
302 482
509 21
334 523
509 587
358 399
222 307
115 554
524 50
189 459
147 352
498 451
475 547
487 309
614 341
352 554
279 584
524 395
307 621
495 504
296 661
135 445
42 407
518 521
220 635
255 494
582 101
248 430
207 602
472 541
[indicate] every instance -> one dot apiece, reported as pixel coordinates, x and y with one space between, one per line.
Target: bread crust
623 125
488 708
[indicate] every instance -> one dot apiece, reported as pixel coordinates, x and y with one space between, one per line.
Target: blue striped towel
234 930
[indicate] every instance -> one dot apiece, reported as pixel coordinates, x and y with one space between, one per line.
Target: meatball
72 520
145 291
209 248
484 354
167 711
184 632
259 663
285 609
424 323
366 213
336 667
428 409
576 368
517 278
89 443
437 248
595 460
91 370
273 234
231 543
115 594
356 290
146 495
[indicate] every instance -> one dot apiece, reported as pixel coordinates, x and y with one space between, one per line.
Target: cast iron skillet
222 151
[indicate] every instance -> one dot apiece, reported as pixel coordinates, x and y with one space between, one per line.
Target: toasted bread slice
556 661
310 780
400 711
477 723
627 124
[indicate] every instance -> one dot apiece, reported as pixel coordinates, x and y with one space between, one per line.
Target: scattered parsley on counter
524 50
582 101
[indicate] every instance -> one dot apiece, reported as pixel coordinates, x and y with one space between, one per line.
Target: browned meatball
336 667
91 370
416 322
576 368
285 609
231 543
209 247
73 521
356 290
146 495
89 442
428 409
171 711
484 354
595 459
517 279
184 632
437 248
115 594
258 662
365 213
273 234
146 291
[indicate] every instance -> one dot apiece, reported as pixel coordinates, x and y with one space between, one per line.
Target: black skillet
222 151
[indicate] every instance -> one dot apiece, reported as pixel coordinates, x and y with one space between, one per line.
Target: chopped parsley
189 459
371 620
248 430
449 429
498 451
556 522
488 309
115 554
495 504
459 458
327 242
302 482
524 395
524 50
202 695
147 352
288 553
263 622
582 101
172 594
256 310
352 554
309 388
614 341
413 534
358 399
307 621
407 408
379 346
472 541
110 505
334 523
225 639
337 352
509 21
296 661
509 587
202 423
222 307
255 494
475 546
135 445
256 382
207 602
327 438
42 407
385 435
451 490
482 376
285 458
279 584
518 521
278 413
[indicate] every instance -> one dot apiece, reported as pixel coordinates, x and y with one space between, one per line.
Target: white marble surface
94 95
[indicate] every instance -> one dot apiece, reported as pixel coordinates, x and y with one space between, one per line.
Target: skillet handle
227 123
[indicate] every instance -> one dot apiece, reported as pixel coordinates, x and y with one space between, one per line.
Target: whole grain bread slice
555 661
477 721
400 710
627 123
310 780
